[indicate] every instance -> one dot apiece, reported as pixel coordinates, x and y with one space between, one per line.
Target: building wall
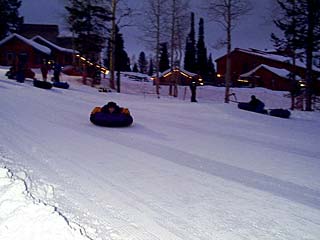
63 58
15 49
242 62
272 81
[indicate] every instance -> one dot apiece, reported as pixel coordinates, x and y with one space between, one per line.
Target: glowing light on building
243 80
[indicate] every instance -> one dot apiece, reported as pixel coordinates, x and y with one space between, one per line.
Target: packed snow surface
182 171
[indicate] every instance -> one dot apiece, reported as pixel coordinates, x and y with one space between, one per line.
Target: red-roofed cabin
63 56
244 61
15 48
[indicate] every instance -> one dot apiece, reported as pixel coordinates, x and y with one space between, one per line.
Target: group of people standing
20 71
45 68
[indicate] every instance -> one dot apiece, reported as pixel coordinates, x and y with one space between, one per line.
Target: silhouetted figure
193 88
56 72
20 72
44 70
256 104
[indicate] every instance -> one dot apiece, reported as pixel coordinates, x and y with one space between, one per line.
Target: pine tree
10 21
211 71
190 52
135 68
164 58
202 64
151 70
87 20
288 24
301 29
122 62
121 56
127 63
310 12
289 44
142 62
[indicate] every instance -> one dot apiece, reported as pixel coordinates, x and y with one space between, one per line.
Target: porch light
243 80
302 84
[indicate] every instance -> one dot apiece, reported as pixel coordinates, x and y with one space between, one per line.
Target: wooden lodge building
15 48
63 56
33 44
255 68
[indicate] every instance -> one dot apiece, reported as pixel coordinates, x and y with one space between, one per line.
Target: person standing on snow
44 70
56 72
193 88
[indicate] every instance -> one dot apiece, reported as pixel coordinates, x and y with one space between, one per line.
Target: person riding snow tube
255 105
111 115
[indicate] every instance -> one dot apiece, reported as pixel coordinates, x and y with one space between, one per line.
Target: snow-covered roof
54 45
273 56
281 72
180 69
30 42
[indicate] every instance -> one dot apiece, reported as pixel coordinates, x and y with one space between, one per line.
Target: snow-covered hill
182 171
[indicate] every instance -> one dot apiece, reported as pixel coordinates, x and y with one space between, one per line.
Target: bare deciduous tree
153 29
120 15
227 13
179 12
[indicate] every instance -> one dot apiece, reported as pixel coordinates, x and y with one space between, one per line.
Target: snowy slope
183 171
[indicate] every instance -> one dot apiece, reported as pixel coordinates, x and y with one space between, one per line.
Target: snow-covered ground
182 171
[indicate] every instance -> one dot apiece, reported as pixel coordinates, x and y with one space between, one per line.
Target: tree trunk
112 44
228 60
158 49
118 81
309 50
173 21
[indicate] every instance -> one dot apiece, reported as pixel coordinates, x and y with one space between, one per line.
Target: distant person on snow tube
255 105
111 108
111 115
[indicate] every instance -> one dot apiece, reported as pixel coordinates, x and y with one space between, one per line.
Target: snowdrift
33 219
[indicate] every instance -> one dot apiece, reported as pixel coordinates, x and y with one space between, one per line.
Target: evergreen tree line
195 59
299 22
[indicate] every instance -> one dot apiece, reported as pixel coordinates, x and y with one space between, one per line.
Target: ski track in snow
132 196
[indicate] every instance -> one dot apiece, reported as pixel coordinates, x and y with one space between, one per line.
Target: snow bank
24 217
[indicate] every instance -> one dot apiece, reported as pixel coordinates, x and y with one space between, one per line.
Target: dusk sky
253 30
